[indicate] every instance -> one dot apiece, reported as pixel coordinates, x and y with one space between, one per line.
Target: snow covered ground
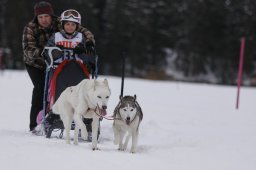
186 127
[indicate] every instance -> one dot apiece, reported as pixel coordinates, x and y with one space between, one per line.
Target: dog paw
121 149
132 151
67 142
95 149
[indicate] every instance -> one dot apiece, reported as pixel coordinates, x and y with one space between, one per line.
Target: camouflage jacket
34 39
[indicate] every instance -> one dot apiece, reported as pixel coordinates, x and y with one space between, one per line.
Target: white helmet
71 15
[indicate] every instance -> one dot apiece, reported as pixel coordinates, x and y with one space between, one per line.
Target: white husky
127 118
87 99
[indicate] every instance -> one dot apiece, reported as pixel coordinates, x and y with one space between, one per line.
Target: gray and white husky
127 118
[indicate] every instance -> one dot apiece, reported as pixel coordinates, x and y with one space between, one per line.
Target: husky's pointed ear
135 97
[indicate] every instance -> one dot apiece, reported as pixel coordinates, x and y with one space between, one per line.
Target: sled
64 69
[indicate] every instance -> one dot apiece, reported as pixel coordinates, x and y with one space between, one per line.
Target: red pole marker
240 70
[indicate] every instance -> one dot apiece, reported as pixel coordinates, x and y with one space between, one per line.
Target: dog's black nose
104 107
128 120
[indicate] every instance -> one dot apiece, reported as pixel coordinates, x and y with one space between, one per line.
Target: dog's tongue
127 122
103 112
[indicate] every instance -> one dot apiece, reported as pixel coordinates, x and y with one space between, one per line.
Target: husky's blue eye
125 110
99 97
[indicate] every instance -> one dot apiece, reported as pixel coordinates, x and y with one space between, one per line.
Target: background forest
195 40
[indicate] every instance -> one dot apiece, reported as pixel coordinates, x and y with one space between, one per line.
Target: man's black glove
46 57
79 49
89 48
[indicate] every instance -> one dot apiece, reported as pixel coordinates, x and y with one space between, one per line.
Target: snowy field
186 127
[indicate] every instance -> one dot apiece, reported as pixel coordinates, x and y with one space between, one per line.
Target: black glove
89 61
46 57
57 54
89 48
79 49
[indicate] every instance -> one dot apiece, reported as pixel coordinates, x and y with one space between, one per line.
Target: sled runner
64 69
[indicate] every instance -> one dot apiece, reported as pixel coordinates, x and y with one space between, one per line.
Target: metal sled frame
58 79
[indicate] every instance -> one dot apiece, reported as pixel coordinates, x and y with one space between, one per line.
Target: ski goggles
71 13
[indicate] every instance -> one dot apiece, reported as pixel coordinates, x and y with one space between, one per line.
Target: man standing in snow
35 36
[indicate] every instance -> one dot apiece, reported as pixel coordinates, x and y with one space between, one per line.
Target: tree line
203 35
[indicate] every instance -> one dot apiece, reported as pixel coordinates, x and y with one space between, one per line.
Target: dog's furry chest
89 113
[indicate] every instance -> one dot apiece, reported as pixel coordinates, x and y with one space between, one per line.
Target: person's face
70 27
44 20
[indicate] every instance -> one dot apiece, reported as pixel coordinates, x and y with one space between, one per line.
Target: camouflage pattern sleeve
87 34
31 53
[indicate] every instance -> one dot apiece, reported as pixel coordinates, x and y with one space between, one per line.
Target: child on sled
73 45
